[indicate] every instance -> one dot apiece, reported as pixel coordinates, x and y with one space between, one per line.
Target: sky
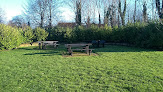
12 7
15 7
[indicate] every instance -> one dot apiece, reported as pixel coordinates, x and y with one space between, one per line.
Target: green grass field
113 69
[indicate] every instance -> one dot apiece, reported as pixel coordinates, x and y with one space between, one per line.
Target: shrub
27 34
39 34
9 37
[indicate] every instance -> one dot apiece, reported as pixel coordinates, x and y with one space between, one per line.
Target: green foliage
28 34
40 34
12 37
139 34
59 33
9 37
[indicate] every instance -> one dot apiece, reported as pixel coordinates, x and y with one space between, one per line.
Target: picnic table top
47 41
78 44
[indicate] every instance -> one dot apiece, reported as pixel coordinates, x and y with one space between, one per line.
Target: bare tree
36 11
78 12
76 6
50 6
159 8
100 5
144 11
134 16
122 13
52 11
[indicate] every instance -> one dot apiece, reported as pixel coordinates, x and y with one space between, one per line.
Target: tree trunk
144 12
78 12
99 20
135 12
42 19
122 14
159 9
50 14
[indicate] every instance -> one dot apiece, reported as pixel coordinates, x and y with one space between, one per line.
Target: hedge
146 35
12 37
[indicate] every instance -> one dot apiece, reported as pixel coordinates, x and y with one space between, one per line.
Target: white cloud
11 14
67 15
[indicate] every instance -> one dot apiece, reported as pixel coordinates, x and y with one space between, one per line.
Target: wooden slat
77 45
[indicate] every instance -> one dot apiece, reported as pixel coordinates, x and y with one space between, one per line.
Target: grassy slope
116 68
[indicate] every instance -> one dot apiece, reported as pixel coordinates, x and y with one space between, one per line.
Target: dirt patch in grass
78 54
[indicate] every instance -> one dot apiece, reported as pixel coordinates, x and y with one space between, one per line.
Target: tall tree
159 8
52 11
134 16
76 6
37 11
145 12
78 12
122 13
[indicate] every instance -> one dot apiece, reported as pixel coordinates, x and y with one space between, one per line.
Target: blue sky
12 7
15 7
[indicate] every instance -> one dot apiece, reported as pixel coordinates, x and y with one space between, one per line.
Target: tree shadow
49 53
107 48
28 49
43 52
115 48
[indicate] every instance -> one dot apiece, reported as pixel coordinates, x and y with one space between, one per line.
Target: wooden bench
78 47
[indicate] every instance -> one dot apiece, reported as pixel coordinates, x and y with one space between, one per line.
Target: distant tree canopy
17 21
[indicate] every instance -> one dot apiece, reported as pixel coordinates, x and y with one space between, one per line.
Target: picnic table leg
87 49
39 45
54 44
98 44
69 50
42 45
90 51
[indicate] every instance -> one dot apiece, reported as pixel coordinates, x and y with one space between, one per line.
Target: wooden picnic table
42 44
78 47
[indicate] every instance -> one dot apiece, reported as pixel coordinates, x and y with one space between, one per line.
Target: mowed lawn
113 69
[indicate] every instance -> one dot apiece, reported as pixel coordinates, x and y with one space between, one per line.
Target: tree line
46 13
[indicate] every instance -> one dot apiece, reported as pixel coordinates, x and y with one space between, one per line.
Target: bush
39 34
28 34
9 37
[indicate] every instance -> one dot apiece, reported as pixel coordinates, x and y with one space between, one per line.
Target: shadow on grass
44 53
107 48
114 48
